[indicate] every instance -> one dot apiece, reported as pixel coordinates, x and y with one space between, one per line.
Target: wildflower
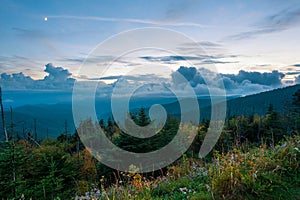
184 190
284 145
255 174
231 157
207 187
98 193
87 194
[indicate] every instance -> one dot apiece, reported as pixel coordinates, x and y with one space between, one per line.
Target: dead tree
2 115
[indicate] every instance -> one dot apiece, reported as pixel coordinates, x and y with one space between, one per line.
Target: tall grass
242 173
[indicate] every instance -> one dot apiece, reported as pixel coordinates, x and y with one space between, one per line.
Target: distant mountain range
256 104
50 119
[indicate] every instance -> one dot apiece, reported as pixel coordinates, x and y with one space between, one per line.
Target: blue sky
245 35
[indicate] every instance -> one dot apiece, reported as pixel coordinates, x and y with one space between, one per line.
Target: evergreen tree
142 118
273 127
296 110
296 100
143 145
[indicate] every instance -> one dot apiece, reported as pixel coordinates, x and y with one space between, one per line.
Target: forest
256 156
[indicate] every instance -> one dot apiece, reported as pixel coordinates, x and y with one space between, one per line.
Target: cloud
129 20
201 47
292 73
187 72
203 59
251 34
172 58
16 63
15 81
57 78
38 36
56 74
284 18
180 58
277 22
297 80
74 60
204 44
194 76
88 59
179 9
105 78
217 62
26 33
243 83
271 79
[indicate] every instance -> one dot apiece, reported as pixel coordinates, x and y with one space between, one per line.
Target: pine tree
296 112
143 119
296 100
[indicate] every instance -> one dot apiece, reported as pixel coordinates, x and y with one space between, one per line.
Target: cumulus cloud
188 73
56 73
15 81
202 80
57 78
243 83
266 78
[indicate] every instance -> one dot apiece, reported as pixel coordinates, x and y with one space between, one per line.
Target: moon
46 19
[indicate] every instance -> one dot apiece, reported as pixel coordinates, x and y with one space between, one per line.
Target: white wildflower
283 145
207 187
184 190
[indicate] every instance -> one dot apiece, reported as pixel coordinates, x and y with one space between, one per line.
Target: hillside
258 103
249 105
51 118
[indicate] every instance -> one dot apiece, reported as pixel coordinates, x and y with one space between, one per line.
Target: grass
253 173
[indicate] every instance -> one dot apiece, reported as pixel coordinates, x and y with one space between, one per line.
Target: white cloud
57 79
129 20
243 83
297 80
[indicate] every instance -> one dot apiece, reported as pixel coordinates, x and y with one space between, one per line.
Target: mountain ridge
51 119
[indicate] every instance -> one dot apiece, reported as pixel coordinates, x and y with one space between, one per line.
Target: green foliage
296 99
43 172
269 173
134 144
260 173
255 157
12 157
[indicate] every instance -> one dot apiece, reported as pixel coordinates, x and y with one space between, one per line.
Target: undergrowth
255 173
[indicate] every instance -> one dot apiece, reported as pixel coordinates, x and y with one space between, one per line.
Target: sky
44 43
